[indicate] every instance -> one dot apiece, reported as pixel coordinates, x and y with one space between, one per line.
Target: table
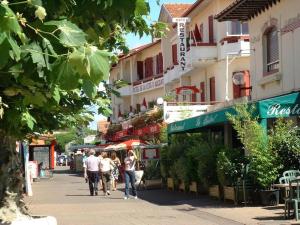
286 188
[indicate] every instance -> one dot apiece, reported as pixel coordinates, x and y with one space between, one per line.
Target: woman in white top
105 167
129 174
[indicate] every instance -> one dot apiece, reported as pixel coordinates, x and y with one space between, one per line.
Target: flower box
214 191
170 184
194 187
230 194
156 183
181 186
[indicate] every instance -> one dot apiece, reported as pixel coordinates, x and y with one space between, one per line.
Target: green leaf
99 65
89 88
64 74
36 54
70 34
4 50
142 7
11 91
36 99
77 60
48 45
56 94
28 120
8 20
16 51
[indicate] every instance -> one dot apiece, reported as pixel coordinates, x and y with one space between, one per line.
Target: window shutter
161 63
197 33
140 69
247 85
174 54
157 64
211 29
212 89
202 91
201 32
150 67
236 91
272 45
194 96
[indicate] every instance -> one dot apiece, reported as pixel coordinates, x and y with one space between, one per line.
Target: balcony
125 91
176 111
148 84
234 44
203 54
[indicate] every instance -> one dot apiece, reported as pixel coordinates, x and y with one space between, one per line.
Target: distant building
102 126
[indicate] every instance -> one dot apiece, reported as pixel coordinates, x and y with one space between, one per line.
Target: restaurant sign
147 86
182 45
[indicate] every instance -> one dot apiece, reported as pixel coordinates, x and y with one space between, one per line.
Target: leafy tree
264 163
54 55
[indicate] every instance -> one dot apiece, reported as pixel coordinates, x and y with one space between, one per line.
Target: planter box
157 183
230 194
170 184
194 187
181 186
214 191
269 197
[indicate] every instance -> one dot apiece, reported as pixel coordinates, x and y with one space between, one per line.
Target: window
271 49
237 28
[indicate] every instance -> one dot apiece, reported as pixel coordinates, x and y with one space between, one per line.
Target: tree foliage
54 55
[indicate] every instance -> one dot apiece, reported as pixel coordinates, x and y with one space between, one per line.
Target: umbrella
110 148
130 144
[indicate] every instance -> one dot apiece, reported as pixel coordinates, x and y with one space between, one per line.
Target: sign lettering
283 110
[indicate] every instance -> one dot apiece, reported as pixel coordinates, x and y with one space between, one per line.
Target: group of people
106 170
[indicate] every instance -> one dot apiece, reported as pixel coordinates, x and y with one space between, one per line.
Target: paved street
66 197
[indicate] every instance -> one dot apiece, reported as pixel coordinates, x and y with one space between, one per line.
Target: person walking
130 161
105 166
115 170
91 172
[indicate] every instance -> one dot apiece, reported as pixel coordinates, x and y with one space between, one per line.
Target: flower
40 12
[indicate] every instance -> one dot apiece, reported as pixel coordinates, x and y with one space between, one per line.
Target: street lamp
160 101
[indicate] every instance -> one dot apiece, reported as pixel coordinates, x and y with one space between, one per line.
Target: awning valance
280 106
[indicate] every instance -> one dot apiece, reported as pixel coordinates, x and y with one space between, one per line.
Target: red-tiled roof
177 10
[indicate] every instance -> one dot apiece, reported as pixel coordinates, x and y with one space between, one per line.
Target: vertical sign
182 45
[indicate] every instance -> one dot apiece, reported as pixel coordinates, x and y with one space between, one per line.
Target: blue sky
135 41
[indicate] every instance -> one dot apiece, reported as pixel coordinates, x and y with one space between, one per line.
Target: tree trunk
12 206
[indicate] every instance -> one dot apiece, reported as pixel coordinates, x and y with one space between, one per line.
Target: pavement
66 197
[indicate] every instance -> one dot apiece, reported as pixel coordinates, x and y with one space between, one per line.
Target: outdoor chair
291 173
293 199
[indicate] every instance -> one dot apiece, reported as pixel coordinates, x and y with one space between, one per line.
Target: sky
135 41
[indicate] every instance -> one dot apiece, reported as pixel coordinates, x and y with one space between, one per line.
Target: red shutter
236 91
197 34
212 89
174 54
150 67
157 64
201 31
211 29
161 63
140 69
247 85
202 91
194 97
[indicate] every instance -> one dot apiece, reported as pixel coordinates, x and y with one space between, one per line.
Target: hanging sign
182 45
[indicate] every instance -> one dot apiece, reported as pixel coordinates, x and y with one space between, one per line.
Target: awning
200 121
280 106
244 9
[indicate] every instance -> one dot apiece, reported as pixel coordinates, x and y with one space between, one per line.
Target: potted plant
264 162
152 176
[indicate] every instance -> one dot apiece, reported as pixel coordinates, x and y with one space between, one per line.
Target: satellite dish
238 78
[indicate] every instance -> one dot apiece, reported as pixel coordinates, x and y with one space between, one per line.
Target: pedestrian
105 167
84 158
115 170
130 161
91 172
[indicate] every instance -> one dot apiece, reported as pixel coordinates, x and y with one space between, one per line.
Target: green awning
280 106
200 121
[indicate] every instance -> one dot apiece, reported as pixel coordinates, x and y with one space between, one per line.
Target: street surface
66 197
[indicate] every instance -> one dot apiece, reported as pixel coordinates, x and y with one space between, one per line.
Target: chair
291 173
294 198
